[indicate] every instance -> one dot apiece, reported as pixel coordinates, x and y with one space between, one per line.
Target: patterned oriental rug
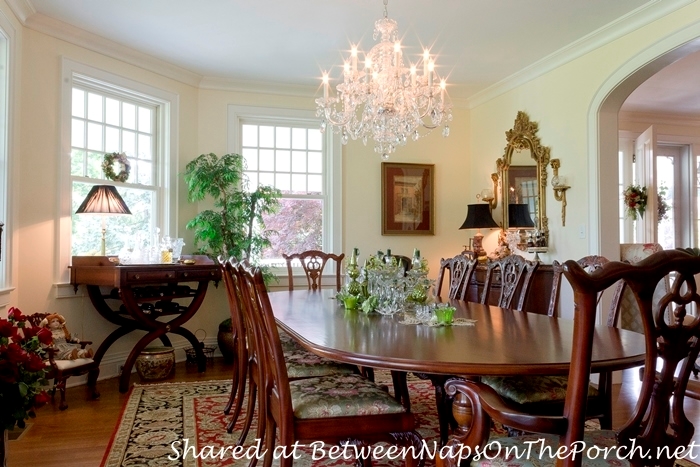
191 414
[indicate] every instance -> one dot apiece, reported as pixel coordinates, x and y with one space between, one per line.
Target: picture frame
408 199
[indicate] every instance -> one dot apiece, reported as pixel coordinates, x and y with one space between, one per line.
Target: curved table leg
102 349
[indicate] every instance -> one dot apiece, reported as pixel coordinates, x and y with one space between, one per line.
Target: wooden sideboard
537 299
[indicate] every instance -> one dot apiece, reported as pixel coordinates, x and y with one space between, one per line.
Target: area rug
191 414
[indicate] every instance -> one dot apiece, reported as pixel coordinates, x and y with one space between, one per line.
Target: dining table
489 340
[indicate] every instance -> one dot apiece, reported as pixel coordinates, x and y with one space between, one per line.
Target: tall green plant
236 226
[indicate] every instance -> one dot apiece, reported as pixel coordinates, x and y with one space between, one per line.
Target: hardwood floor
78 436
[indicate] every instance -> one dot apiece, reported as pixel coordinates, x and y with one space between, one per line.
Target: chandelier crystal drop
386 100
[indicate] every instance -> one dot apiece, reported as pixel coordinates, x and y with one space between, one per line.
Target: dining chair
516 276
544 394
658 422
339 409
460 269
313 263
300 362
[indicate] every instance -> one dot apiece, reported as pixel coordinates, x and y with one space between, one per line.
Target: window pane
266 178
267 160
145 150
77 160
129 116
283 137
298 224
94 107
111 139
94 165
298 161
315 184
267 137
112 111
145 115
298 183
145 173
249 135
283 182
315 162
77 137
129 143
298 138
251 158
78 103
94 140
283 164
315 140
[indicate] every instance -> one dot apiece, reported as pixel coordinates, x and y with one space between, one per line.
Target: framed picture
407 199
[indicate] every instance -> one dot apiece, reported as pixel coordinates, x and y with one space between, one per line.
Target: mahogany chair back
240 346
589 263
276 410
658 422
460 269
313 262
516 277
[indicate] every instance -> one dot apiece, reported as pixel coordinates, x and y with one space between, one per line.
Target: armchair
62 369
658 423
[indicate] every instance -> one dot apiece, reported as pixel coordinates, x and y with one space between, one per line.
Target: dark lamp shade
479 217
103 199
519 216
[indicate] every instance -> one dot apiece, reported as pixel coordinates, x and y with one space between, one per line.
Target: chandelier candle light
386 100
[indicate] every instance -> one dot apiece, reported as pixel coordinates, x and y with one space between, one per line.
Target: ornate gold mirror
523 177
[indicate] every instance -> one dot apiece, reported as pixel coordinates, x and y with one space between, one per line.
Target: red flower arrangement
22 369
635 201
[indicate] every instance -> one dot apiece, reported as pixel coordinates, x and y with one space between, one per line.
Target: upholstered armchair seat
532 389
340 396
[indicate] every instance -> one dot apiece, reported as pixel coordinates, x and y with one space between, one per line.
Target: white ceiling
478 42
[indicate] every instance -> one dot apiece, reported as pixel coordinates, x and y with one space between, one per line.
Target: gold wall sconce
559 186
490 195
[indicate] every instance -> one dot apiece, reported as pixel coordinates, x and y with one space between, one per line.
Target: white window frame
332 181
166 156
9 49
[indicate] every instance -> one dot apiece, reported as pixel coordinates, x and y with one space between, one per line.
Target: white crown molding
656 118
264 87
22 9
626 24
99 44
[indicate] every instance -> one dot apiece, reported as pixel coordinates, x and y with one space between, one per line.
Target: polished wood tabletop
501 342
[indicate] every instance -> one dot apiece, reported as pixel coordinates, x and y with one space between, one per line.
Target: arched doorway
603 132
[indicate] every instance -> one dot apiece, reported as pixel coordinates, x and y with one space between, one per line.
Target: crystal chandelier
386 100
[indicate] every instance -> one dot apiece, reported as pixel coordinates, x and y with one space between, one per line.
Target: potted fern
235 226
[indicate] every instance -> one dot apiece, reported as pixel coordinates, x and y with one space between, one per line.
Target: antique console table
148 293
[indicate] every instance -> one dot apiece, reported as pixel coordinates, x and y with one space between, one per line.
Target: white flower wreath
108 166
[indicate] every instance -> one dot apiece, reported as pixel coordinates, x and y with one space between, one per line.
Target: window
286 149
101 123
102 114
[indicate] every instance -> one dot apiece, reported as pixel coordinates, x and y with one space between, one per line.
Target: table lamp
479 217
519 216
106 201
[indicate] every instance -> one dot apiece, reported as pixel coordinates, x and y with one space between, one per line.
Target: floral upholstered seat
340 396
532 389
